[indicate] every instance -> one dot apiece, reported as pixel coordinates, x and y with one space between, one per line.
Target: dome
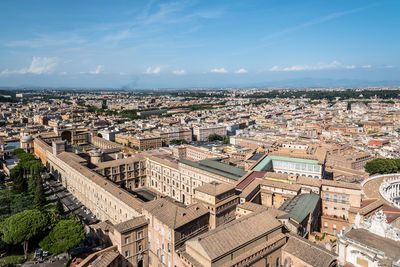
26 138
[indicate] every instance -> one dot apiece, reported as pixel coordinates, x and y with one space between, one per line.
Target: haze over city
148 44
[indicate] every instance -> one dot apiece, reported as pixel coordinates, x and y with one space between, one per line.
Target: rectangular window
127 240
139 234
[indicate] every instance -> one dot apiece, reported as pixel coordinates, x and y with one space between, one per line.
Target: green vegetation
2 177
383 166
329 95
64 236
226 140
177 142
11 260
26 217
40 199
12 203
215 137
59 207
20 228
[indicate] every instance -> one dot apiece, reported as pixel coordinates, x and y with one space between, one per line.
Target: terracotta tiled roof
130 224
174 215
309 252
228 237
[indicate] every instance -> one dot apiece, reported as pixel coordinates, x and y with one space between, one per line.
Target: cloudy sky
148 44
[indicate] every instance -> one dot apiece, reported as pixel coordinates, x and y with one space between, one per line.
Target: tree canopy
383 166
177 142
64 236
22 227
215 137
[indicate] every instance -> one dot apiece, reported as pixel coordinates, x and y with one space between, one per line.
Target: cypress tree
59 207
20 184
40 199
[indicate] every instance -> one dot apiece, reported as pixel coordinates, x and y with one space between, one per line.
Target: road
55 190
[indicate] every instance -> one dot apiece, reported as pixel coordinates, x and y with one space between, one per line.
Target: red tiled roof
247 180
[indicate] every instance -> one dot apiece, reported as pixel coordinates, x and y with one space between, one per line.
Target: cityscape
114 154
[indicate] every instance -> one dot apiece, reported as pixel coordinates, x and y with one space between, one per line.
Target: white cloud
388 67
220 70
366 66
178 72
42 65
39 65
98 70
320 66
151 70
241 70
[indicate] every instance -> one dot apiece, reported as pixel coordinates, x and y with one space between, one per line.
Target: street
55 190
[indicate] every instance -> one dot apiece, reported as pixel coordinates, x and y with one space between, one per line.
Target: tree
177 142
215 137
59 207
40 199
20 184
226 140
382 166
64 236
2 177
17 151
22 227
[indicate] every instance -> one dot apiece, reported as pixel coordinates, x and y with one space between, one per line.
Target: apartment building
349 159
337 199
169 134
146 141
129 172
195 153
201 133
164 176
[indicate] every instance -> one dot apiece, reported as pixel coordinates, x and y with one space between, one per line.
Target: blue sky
148 44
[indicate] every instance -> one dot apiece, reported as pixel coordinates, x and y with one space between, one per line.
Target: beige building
348 159
169 134
195 153
163 175
221 201
131 238
253 240
170 225
202 133
337 199
129 172
139 141
101 196
145 142
299 252
179 178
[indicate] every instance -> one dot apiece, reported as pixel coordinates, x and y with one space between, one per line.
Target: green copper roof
216 167
261 165
300 206
308 161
